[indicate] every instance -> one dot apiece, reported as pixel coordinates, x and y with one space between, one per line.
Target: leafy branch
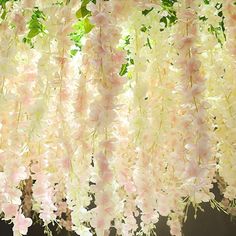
35 26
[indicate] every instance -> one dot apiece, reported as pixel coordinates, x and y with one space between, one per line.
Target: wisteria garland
127 130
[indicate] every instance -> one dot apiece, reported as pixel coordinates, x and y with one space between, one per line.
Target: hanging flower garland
226 120
115 113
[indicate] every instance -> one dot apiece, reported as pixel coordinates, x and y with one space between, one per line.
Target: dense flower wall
116 112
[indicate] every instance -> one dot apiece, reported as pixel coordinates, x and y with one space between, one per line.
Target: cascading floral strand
114 113
227 127
197 153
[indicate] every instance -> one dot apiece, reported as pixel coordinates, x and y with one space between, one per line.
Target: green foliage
170 18
124 69
168 3
3 3
129 60
206 1
82 27
203 18
147 11
145 28
76 36
148 43
61 3
58 3
3 10
35 26
219 31
83 11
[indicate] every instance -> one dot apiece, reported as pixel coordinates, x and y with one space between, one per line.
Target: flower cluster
137 125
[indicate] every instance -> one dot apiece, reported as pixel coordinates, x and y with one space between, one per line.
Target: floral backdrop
116 110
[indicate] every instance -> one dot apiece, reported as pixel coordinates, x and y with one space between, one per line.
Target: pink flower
38 190
21 224
163 209
47 215
81 101
175 228
118 7
28 3
92 7
100 223
102 162
119 57
108 144
116 80
19 20
66 163
193 170
13 193
64 95
100 19
10 210
103 199
25 96
193 66
30 76
186 42
187 15
203 148
195 91
107 176
17 174
130 186
99 115
163 205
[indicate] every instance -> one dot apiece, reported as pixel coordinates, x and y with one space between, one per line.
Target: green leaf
124 69
35 26
85 2
147 11
83 11
3 3
81 28
73 52
3 16
218 6
127 40
168 3
143 28
33 32
203 18
87 25
164 20
149 43
206 2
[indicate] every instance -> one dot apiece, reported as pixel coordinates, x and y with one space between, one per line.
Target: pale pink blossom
10 210
99 19
21 224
